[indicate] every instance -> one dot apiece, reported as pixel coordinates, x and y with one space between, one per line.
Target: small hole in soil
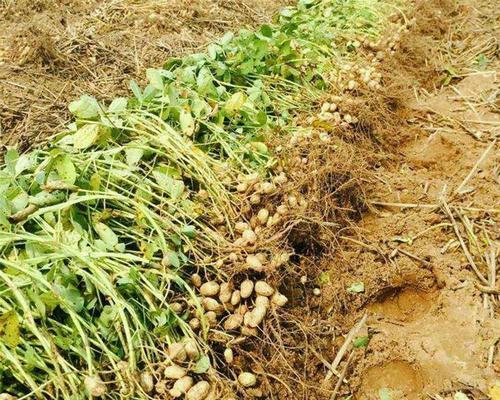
398 377
404 304
304 238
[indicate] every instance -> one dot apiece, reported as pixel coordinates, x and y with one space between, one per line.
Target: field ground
425 245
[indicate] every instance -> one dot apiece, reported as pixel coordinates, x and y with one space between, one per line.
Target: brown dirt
433 332
51 52
445 332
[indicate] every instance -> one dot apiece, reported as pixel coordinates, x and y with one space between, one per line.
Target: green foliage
361 341
356 287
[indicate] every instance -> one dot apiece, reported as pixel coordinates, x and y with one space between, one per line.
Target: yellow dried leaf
9 329
494 392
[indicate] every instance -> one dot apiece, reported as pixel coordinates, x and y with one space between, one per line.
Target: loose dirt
432 319
432 329
53 52
400 376
407 304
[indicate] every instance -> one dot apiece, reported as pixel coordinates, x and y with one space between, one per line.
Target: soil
426 210
432 328
433 325
51 52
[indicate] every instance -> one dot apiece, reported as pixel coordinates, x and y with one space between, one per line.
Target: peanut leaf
187 123
9 329
85 108
234 104
356 287
86 136
65 169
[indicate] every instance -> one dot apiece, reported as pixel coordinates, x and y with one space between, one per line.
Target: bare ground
432 318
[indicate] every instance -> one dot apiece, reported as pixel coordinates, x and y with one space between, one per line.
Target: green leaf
72 296
266 30
204 82
173 259
86 107
133 156
356 287
176 188
86 136
187 75
324 278
40 177
226 39
120 247
164 178
261 48
361 341
4 212
118 105
155 78
260 147
202 365
108 316
384 394
20 201
65 169
261 118
50 301
9 329
30 357
189 231
187 122
25 162
200 108
234 104
287 12
212 50
482 61
136 90
106 234
11 157
95 182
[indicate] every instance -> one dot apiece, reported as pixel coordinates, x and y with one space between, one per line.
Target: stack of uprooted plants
146 249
